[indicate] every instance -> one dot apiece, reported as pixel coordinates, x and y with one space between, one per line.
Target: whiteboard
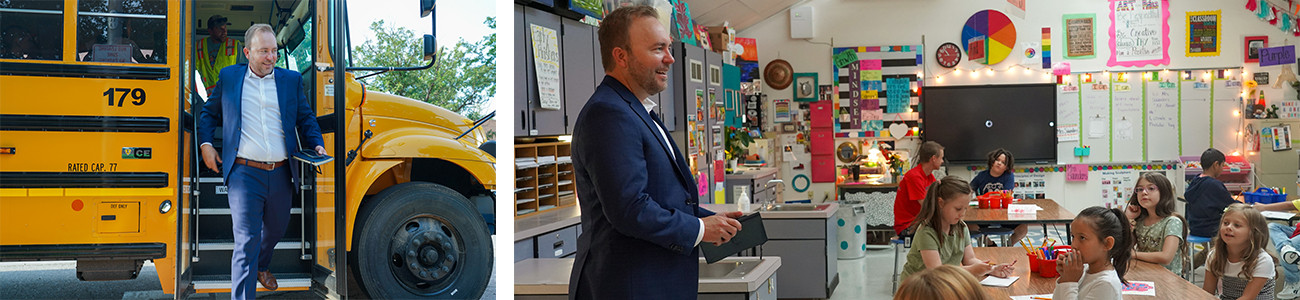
1226 100
1126 120
1162 120
1194 106
1067 114
1096 123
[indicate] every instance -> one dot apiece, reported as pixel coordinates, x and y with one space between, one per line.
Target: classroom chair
1190 273
899 242
1000 232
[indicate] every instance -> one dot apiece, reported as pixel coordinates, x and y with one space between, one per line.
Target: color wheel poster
988 37
1139 33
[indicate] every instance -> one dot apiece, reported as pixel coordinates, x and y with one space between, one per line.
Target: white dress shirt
649 107
261 135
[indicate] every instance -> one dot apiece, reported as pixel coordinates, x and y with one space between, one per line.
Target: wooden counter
1167 284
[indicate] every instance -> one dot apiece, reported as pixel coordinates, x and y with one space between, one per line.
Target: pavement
58 280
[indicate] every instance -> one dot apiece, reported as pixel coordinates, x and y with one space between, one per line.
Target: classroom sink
728 269
793 207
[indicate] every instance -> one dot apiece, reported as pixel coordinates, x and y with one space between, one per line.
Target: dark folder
311 157
751 235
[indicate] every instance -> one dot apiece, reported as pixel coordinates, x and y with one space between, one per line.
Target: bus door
209 237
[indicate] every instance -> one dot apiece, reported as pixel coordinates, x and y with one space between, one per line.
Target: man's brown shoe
267 280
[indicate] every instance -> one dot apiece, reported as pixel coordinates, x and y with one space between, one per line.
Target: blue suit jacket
224 106
640 206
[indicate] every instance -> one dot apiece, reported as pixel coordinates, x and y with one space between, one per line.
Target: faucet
779 192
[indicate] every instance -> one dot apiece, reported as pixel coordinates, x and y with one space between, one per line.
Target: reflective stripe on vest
209 67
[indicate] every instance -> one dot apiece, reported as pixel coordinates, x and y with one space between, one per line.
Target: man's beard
647 79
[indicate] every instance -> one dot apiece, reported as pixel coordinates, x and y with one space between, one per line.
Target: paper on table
1032 297
1023 208
974 203
1002 282
1277 215
1143 288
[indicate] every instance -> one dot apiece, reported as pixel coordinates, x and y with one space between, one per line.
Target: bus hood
380 104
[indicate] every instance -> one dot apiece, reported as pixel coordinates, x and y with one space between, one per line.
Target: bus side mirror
426 8
430 47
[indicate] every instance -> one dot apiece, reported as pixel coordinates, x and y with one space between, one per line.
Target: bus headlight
165 207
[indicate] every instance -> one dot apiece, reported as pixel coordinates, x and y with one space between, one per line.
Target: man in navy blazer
261 110
640 208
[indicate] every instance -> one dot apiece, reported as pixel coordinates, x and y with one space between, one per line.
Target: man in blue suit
261 110
641 218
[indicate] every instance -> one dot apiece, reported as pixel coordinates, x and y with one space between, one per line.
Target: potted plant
737 141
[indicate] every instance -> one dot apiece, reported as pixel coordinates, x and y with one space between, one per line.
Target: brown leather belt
260 165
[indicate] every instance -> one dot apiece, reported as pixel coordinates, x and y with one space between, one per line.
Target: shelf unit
544 177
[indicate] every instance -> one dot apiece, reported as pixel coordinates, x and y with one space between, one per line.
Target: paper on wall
1097 129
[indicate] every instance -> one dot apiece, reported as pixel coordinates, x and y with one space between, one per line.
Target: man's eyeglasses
266 52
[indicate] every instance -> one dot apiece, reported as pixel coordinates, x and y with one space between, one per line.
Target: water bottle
742 201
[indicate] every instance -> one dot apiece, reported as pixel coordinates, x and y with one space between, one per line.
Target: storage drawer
524 249
823 142
823 168
557 244
821 114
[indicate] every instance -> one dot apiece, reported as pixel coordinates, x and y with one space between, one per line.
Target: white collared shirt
649 107
261 135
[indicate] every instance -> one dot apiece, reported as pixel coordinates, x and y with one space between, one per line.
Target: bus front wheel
421 239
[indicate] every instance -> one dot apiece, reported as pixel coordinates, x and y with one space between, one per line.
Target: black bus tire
421 240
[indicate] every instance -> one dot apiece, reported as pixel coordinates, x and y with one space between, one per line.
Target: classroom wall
844 23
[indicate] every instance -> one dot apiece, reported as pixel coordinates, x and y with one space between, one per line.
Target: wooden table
1168 285
1052 213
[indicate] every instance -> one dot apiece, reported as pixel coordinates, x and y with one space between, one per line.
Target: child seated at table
942 282
941 237
1160 231
998 178
1102 243
1237 264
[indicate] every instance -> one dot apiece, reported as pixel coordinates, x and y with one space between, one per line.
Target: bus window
31 29
122 31
300 49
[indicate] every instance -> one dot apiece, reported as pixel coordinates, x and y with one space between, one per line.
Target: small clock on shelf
948 55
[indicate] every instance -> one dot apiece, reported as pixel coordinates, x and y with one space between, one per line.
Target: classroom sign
1276 56
1139 33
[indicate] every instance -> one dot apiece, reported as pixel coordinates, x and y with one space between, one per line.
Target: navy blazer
294 110
640 206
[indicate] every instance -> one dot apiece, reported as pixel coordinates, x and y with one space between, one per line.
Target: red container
984 202
1033 262
1006 202
1047 268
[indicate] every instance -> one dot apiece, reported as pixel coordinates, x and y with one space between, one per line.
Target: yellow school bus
98 105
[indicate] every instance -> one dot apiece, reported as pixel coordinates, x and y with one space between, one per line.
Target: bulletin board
878 86
1152 116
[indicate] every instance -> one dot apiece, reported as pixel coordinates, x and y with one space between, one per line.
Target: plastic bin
1265 196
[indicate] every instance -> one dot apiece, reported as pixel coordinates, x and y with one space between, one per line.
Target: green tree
463 80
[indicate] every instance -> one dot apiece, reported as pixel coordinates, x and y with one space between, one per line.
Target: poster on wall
1080 36
1139 33
782 110
1030 186
546 54
861 73
1116 186
1203 33
747 59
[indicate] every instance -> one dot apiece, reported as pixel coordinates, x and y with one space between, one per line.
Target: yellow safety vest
210 66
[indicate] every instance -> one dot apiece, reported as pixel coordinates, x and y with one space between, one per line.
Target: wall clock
948 55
